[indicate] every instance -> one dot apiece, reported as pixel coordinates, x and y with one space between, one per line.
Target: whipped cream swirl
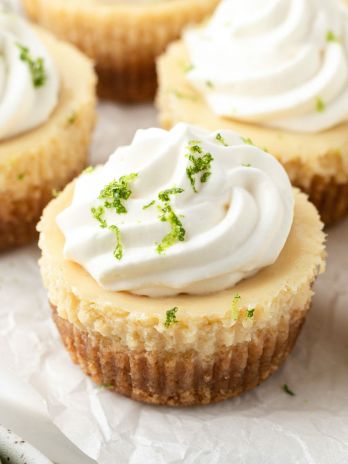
279 63
236 213
29 82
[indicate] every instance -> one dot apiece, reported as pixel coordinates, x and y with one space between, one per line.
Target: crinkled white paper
265 426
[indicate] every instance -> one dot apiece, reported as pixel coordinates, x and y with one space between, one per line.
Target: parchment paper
264 426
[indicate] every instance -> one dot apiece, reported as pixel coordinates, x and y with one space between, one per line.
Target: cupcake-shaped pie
181 272
123 37
47 100
277 73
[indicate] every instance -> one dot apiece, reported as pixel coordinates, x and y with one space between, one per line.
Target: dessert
122 37
277 73
47 113
181 272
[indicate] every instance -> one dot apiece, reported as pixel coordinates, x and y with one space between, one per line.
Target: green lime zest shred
165 194
167 214
118 252
36 66
88 170
177 232
320 105
248 140
200 164
72 118
189 68
288 390
149 204
116 192
171 317
184 96
331 37
250 313
235 307
98 213
55 193
220 139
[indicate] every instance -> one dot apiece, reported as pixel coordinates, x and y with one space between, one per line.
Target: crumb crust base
182 379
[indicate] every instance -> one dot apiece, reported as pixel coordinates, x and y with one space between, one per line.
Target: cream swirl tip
184 211
278 63
29 81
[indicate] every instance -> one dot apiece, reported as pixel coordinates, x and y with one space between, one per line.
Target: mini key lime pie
181 272
47 100
277 73
123 37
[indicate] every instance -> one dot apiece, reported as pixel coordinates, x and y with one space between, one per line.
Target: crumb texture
182 379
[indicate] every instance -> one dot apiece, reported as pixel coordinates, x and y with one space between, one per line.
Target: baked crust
316 163
35 164
123 39
166 378
121 341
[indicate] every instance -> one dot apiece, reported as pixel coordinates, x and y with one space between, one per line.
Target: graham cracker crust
134 85
329 197
19 217
182 379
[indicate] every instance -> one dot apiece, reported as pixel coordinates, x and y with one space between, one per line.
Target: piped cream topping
184 211
29 81
279 63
